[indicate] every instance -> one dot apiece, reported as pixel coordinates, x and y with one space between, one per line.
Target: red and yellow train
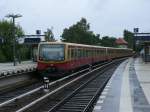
57 58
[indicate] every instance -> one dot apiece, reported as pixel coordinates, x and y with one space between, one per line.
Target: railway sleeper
71 108
84 94
64 110
83 97
74 105
79 103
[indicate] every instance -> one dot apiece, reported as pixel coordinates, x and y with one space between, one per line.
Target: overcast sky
106 17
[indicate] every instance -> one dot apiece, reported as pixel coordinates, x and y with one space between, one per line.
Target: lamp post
136 30
13 16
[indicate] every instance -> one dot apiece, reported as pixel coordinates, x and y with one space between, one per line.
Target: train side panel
80 55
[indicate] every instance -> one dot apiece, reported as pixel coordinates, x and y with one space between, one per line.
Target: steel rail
76 90
52 84
60 88
37 89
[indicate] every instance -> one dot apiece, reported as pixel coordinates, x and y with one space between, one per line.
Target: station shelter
143 39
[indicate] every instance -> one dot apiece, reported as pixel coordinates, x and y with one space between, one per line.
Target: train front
51 58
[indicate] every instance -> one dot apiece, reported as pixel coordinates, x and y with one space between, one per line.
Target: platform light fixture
14 16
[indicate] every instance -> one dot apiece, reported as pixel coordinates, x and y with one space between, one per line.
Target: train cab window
52 52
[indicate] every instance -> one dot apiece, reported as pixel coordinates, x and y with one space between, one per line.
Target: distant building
121 43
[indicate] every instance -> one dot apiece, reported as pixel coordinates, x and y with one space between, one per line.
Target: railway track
16 91
10 105
74 92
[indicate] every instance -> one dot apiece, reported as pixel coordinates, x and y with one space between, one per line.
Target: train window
94 52
102 53
99 52
69 53
79 53
89 52
72 53
83 53
86 52
76 53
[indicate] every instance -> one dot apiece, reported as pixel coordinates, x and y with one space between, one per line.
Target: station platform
9 68
128 90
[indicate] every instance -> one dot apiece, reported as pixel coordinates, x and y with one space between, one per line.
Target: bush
2 57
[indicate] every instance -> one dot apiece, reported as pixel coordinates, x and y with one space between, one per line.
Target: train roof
81 45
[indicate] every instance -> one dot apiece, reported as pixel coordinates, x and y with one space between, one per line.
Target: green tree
6 35
80 33
49 36
129 36
108 41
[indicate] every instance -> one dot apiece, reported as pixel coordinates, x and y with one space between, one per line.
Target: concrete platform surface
8 68
128 90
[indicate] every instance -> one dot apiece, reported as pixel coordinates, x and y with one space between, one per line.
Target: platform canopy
144 40
141 38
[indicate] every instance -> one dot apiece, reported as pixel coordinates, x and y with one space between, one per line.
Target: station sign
32 40
142 36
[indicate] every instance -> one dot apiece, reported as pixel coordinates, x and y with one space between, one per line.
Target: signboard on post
38 32
136 30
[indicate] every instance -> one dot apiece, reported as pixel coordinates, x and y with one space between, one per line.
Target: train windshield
51 52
